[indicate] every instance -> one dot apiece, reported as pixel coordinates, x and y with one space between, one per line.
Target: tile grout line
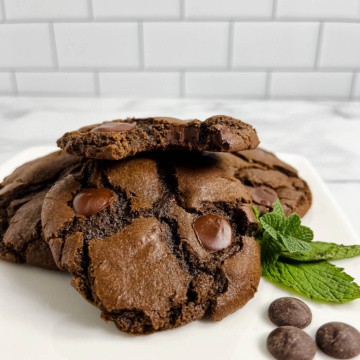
14 83
54 53
235 69
352 86
97 87
268 84
182 9
274 9
117 20
230 45
2 7
91 10
319 45
141 45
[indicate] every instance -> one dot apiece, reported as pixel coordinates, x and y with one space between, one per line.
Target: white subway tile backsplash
185 44
311 85
97 45
6 84
140 84
225 84
315 9
46 9
25 45
341 45
357 87
272 45
172 48
55 83
228 9
137 9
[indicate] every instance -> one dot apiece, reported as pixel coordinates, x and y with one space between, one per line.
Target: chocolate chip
191 135
91 201
263 195
186 136
290 343
114 127
213 232
290 311
339 340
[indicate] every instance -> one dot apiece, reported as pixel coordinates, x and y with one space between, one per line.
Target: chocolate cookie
21 198
119 139
155 242
268 179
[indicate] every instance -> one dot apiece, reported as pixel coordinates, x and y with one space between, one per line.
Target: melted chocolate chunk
263 195
213 232
114 127
91 201
338 340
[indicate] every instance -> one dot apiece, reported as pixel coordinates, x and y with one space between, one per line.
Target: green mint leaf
273 224
288 232
292 223
303 233
256 212
294 245
319 281
294 228
323 251
270 250
278 209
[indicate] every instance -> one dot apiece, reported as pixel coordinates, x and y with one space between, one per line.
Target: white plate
43 317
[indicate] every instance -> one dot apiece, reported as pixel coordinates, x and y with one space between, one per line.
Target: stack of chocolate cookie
152 217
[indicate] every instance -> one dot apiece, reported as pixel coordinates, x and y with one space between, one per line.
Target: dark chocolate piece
263 195
338 340
122 138
90 201
291 343
114 127
213 232
290 311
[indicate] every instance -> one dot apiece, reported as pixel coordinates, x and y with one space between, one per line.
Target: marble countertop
326 133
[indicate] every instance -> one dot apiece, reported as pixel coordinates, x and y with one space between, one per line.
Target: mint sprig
288 233
290 259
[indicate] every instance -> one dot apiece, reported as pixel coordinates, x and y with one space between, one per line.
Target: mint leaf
294 228
278 209
320 281
290 235
256 212
323 251
272 224
292 223
270 251
294 245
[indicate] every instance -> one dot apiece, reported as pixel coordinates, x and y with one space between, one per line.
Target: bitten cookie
21 198
155 242
268 179
119 139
